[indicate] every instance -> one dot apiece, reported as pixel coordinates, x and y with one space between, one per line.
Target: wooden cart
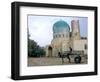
75 55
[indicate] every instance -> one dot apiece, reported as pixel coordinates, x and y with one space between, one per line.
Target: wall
80 46
5 40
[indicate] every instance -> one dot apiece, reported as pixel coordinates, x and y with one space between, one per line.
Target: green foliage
35 50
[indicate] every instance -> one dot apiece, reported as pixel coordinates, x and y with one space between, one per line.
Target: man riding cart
75 55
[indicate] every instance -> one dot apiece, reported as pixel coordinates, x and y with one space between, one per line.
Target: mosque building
65 37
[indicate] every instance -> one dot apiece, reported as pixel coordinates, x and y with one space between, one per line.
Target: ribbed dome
60 26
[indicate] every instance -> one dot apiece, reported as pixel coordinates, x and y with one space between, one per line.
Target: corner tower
75 34
75 30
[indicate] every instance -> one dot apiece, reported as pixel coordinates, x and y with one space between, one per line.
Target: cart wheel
77 59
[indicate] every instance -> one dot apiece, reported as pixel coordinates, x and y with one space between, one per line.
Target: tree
35 50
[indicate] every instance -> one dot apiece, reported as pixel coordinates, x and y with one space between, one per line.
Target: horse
63 55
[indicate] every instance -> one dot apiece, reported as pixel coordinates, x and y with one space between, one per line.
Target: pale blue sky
41 27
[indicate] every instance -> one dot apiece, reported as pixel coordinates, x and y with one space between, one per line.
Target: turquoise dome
60 26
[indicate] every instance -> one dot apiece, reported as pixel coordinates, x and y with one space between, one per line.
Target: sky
41 27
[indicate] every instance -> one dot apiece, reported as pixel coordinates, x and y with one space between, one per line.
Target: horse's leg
68 58
62 59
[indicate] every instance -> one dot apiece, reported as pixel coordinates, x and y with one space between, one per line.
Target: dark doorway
49 51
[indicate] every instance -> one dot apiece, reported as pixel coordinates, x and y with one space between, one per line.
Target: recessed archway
49 51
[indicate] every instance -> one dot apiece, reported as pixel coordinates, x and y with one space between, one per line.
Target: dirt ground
48 61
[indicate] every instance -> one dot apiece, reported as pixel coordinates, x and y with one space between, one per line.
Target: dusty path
46 61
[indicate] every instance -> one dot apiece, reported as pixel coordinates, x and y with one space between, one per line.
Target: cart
74 55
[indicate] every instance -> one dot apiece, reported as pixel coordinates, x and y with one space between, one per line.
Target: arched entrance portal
49 51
